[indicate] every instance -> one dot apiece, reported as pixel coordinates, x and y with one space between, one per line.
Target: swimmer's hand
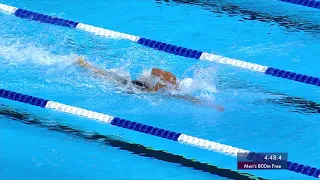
198 101
215 106
82 62
218 107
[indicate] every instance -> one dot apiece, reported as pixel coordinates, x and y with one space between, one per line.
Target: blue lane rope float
165 47
309 3
150 130
44 18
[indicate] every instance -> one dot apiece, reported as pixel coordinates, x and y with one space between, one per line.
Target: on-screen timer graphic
262 161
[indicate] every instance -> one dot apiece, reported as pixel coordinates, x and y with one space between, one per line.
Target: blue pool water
262 114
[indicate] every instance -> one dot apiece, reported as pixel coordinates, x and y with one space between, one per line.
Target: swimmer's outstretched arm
81 62
104 73
198 101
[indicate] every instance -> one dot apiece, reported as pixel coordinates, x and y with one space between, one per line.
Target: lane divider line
150 130
165 47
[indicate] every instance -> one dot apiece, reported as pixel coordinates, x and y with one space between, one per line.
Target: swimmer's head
164 76
157 79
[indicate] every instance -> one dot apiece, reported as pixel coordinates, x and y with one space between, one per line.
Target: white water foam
32 54
200 82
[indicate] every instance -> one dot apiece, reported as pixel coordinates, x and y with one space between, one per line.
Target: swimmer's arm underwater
198 101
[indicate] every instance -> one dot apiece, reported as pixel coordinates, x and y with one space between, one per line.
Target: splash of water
200 83
17 53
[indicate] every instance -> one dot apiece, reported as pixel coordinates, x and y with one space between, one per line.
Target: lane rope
161 46
133 148
308 3
150 130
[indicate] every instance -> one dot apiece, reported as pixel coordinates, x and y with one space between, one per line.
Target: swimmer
158 81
